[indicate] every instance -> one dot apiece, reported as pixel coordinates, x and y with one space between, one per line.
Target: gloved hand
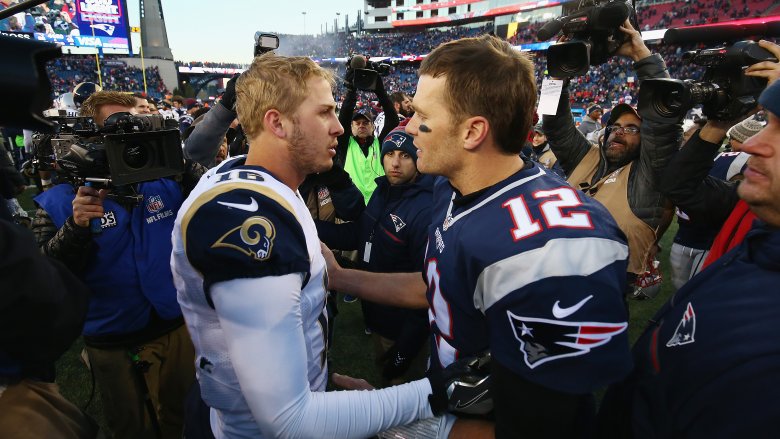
396 363
462 387
335 178
229 97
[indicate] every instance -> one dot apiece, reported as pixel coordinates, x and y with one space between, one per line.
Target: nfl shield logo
154 204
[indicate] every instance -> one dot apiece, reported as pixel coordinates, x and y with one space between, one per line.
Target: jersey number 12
552 212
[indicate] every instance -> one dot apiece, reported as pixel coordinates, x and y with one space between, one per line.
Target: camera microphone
358 62
549 30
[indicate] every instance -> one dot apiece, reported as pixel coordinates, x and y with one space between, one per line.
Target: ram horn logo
107 28
255 238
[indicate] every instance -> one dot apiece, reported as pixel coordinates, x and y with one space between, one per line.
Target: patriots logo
154 204
686 329
397 222
255 238
543 340
107 28
396 138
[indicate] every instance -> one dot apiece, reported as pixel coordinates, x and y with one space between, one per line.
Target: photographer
138 347
358 151
42 310
622 173
713 202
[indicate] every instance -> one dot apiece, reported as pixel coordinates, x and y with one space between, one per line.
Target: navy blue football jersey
534 271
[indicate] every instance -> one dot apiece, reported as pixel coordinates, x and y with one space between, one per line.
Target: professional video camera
128 149
594 35
367 72
724 92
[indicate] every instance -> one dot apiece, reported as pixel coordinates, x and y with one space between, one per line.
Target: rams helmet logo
255 238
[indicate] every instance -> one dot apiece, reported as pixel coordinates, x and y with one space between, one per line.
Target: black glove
396 363
229 97
349 76
335 178
462 387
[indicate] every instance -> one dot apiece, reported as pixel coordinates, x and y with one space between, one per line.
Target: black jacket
658 144
345 117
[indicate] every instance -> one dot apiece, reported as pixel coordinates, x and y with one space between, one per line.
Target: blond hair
274 82
96 100
486 77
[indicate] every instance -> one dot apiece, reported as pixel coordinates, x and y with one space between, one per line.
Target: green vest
364 170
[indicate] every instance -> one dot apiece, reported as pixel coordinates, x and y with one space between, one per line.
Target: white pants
685 262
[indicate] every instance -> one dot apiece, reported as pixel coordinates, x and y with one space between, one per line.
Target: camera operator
138 347
42 310
622 173
706 366
711 200
358 150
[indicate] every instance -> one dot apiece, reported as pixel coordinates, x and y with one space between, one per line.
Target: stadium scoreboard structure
82 26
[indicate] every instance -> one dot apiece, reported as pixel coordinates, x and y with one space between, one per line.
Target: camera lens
668 104
135 156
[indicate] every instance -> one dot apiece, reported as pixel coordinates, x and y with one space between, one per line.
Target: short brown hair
96 100
486 77
274 81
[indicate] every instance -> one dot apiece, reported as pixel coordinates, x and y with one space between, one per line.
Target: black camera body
594 36
725 93
367 72
265 42
128 149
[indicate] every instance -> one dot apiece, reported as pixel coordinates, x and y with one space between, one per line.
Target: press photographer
622 172
358 150
138 348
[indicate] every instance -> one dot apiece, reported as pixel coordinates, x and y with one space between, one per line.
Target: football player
518 263
251 277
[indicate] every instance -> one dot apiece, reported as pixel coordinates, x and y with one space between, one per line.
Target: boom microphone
358 62
720 33
550 29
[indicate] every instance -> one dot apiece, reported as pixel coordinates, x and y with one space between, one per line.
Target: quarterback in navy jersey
518 263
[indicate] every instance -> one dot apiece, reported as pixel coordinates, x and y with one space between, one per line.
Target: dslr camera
366 72
725 93
128 149
594 36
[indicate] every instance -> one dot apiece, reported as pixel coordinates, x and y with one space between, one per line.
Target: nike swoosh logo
251 207
561 313
458 405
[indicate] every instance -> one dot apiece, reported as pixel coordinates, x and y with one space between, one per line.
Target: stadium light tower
304 22
154 37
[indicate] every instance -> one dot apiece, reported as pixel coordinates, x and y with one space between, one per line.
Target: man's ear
273 122
475 131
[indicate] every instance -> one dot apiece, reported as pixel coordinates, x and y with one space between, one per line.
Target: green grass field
352 351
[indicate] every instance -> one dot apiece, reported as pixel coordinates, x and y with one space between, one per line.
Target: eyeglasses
617 129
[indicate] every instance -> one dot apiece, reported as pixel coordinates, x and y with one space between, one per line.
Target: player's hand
462 387
331 264
229 97
766 69
634 47
349 383
88 205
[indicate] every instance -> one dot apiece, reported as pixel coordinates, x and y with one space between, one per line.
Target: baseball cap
619 110
538 128
365 113
770 98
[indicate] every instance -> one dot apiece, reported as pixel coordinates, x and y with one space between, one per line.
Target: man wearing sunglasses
621 172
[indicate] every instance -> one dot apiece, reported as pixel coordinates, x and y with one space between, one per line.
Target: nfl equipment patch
543 340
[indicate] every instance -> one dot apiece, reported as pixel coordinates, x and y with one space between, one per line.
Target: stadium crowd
206 291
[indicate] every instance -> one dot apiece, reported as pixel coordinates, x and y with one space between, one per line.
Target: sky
223 30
